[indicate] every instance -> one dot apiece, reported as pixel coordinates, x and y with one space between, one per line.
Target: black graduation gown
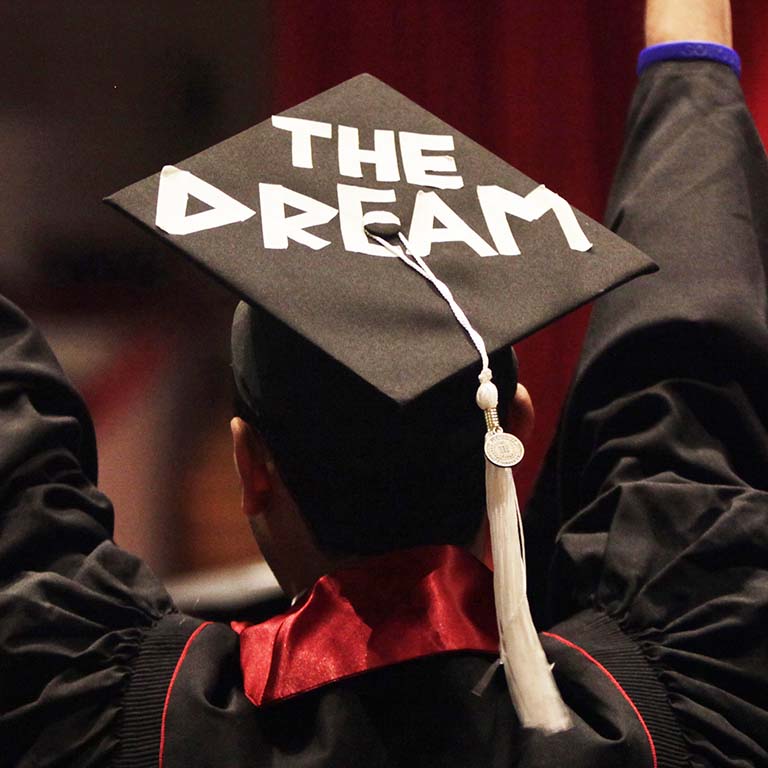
658 591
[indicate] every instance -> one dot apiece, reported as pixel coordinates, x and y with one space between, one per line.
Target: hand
669 20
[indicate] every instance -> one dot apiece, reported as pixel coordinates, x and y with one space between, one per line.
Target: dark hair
367 474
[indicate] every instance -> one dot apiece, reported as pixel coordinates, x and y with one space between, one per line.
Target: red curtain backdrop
544 84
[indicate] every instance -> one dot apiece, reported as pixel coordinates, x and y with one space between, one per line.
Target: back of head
369 475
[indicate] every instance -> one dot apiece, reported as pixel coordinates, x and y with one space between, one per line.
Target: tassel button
503 449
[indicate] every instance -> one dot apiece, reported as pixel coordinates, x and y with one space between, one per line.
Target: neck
302 579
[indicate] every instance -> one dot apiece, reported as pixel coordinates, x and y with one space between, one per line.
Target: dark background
96 95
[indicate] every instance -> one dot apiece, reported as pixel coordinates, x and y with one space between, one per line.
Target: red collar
390 609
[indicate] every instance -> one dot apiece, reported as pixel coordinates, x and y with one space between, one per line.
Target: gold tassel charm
501 448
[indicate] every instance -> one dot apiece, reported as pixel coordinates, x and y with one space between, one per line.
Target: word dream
423 170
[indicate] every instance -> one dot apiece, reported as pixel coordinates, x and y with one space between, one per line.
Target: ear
521 415
254 466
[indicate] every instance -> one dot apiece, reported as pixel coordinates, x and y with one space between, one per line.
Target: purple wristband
687 50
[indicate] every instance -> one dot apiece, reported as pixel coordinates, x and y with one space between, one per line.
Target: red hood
391 608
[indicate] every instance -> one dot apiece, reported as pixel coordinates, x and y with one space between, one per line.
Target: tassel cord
526 668
417 264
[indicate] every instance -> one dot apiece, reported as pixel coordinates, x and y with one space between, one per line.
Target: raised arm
74 607
663 453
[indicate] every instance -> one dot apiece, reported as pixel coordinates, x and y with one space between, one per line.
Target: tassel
529 676
528 673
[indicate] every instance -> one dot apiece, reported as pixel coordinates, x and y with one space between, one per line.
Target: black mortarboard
288 209
276 213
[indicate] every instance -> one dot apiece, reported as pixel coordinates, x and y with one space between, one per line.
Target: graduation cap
310 216
280 216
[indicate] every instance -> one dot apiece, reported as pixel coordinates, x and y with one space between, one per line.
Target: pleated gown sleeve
661 466
74 608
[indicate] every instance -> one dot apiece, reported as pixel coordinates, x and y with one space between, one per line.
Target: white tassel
529 676
528 673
